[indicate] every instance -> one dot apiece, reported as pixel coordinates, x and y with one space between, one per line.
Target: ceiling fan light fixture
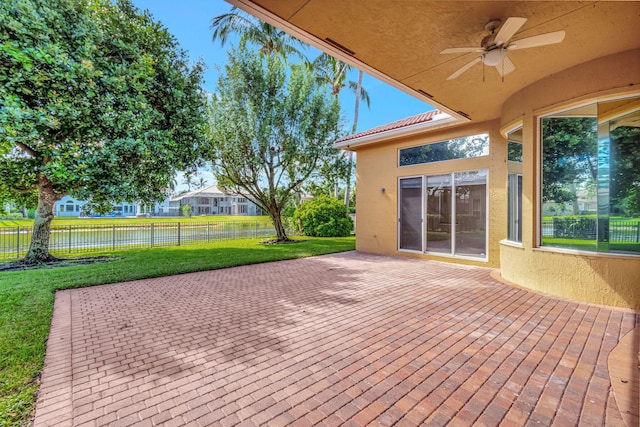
494 57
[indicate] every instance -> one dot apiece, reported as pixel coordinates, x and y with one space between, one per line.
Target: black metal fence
623 231
69 239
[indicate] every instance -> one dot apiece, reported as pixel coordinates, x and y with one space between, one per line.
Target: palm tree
201 183
250 29
173 183
188 180
365 97
333 73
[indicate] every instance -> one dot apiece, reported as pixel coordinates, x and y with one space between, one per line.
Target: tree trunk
39 248
276 219
347 191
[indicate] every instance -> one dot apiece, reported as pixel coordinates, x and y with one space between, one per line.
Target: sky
189 22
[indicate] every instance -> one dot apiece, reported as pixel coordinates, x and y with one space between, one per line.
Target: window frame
539 153
519 176
453 201
488 134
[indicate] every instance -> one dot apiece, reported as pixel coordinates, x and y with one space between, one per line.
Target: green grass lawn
26 300
154 219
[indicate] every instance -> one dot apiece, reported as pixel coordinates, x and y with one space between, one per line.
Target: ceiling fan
494 47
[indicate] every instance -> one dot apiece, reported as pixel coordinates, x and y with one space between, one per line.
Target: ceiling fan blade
505 66
465 68
539 40
463 50
508 29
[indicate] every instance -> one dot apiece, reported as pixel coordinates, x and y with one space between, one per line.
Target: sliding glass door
444 214
410 214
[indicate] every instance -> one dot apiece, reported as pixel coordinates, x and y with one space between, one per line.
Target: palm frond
364 95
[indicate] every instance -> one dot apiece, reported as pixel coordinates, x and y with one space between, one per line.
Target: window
455 207
514 186
591 178
514 207
457 148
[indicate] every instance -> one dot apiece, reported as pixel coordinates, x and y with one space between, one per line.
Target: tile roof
409 121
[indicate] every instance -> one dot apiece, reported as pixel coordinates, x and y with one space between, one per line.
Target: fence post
208 226
113 237
69 239
233 230
151 233
256 229
638 233
18 245
178 234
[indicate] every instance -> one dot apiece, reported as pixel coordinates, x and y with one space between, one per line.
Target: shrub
15 215
288 220
323 216
185 210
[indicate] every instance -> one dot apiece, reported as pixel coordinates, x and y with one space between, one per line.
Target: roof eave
265 15
433 124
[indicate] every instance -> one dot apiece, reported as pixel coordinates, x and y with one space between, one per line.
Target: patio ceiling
400 41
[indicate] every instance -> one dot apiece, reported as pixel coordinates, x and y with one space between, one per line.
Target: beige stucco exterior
377 168
597 278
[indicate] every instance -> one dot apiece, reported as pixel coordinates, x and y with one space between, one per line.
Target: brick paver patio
345 339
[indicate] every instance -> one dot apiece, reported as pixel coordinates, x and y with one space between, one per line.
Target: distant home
212 201
68 206
205 201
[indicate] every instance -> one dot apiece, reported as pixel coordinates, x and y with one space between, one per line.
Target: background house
68 206
212 201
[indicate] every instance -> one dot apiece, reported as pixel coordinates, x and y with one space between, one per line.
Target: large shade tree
269 126
97 101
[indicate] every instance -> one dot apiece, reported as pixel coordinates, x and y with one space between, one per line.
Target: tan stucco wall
378 168
597 278
602 279
600 78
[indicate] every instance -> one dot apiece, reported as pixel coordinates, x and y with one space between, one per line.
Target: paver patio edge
497 276
624 370
57 375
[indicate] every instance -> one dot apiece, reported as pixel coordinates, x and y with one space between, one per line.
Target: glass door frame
422 213
453 200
